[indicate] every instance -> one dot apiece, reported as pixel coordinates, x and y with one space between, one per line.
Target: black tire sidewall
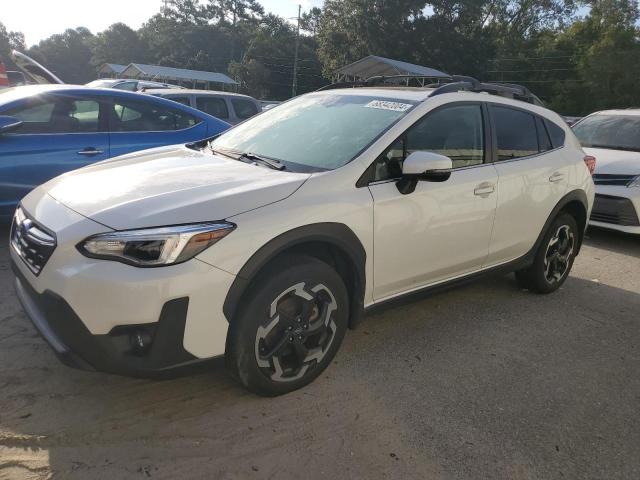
276 278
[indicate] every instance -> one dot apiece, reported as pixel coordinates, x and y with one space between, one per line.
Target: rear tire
554 257
291 325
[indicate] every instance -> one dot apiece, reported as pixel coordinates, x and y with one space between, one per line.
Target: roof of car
632 112
18 93
186 91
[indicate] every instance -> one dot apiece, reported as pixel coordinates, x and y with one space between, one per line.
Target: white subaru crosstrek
266 243
613 136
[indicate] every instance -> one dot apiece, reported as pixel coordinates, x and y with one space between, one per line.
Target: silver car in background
233 108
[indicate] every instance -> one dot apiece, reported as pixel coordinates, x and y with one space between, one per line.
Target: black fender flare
576 195
337 235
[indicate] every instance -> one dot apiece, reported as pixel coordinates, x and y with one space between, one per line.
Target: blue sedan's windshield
318 131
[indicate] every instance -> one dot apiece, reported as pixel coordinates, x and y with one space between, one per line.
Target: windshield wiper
269 162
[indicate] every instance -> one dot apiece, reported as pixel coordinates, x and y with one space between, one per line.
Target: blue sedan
47 130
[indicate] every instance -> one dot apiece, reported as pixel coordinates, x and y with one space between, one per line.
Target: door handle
90 151
484 189
556 177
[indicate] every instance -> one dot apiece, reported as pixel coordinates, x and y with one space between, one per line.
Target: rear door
532 179
59 133
140 124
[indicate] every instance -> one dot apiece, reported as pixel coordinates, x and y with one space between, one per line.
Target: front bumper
616 208
114 352
90 310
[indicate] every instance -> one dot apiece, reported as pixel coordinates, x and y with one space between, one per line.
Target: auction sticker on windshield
385 105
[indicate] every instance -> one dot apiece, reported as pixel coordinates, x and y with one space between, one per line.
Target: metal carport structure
182 76
374 66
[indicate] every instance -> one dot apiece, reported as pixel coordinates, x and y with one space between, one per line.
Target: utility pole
294 87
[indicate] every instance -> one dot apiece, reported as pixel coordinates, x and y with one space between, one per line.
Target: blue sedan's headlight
155 247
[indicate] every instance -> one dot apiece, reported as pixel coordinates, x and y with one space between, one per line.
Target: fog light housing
140 340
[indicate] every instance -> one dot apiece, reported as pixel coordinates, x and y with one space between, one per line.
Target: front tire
291 327
554 257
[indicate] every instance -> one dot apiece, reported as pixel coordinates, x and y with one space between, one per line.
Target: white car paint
440 232
617 162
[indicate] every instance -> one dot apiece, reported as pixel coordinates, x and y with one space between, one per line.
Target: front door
59 133
442 230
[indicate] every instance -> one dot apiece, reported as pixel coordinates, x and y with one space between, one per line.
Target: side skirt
415 295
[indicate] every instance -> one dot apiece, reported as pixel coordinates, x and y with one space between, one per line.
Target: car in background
230 107
571 120
130 84
47 130
269 104
613 137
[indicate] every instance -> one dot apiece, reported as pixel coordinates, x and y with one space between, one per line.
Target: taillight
590 162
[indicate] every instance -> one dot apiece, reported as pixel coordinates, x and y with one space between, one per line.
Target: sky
38 19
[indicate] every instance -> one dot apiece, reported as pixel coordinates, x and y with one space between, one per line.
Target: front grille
33 243
608 179
616 210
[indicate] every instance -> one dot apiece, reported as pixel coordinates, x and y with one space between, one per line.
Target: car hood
615 162
170 186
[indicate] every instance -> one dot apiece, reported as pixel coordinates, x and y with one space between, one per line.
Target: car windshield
617 132
315 132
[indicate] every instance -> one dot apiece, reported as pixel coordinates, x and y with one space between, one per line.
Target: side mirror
8 124
426 167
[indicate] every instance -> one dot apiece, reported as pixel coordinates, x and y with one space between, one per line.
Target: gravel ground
486 381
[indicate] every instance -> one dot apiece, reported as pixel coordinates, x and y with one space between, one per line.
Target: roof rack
457 83
470 84
380 80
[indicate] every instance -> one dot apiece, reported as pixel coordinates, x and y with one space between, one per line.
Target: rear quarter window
556 133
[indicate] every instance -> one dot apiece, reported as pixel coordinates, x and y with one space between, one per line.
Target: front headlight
635 182
155 247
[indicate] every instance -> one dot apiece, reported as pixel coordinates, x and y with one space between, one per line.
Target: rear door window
244 108
516 133
133 116
214 106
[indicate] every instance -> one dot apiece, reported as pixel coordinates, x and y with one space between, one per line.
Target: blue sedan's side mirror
8 124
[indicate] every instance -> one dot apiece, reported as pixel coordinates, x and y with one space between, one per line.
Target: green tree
310 21
266 67
187 11
68 55
234 11
352 29
119 44
9 41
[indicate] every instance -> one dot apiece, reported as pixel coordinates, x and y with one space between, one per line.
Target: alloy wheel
298 333
557 259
